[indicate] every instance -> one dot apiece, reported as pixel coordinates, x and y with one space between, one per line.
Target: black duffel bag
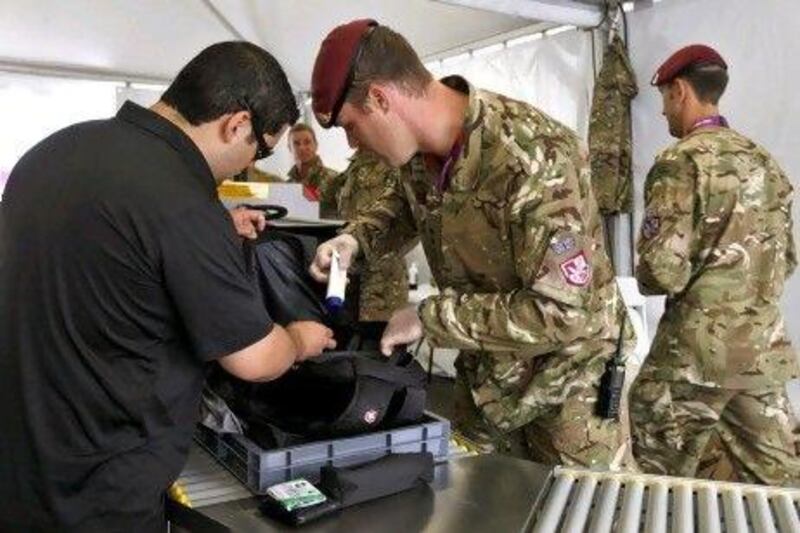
337 394
353 390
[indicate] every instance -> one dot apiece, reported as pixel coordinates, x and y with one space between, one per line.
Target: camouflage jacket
384 282
516 247
717 240
610 131
323 183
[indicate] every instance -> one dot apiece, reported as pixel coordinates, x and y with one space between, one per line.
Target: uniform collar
462 170
313 165
365 155
162 128
712 121
473 117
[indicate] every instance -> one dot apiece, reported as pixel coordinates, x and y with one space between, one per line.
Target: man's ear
235 125
682 90
378 97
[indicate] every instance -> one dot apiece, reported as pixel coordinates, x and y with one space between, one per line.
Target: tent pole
58 70
223 20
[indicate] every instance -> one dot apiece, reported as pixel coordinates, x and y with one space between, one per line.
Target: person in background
710 400
121 278
383 286
320 183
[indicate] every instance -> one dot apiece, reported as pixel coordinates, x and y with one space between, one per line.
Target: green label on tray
296 494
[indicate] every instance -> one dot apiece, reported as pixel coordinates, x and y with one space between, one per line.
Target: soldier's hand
248 222
347 247
310 338
404 327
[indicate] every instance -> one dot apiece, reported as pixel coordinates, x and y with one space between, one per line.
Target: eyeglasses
262 151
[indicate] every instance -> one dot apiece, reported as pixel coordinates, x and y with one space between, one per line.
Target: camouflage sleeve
330 186
667 232
386 226
552 251
785 193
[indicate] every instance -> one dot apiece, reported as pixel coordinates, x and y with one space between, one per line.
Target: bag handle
271 212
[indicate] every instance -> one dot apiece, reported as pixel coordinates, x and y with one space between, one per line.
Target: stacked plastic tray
258 468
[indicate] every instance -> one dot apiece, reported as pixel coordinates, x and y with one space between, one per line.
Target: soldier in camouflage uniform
320 183
511 230
383 282
610 149
717 240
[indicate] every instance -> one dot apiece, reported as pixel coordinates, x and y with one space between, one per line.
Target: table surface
485 493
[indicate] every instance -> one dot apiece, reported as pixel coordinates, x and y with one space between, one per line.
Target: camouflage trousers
688 430
569 434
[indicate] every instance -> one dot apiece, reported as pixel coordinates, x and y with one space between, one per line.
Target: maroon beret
694 54
334 69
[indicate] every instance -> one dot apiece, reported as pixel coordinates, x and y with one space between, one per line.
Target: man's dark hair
707 80
233 76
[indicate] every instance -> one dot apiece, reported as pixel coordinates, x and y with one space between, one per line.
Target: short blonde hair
302 126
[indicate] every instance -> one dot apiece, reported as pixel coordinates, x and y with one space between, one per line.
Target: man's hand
310 338
248 222
345 244
404 327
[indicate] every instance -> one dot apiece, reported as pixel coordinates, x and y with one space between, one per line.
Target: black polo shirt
121 276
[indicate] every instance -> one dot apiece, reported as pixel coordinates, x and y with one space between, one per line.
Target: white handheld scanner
337 279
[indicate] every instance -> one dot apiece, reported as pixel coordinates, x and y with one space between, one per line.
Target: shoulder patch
563 244
576 270
651 225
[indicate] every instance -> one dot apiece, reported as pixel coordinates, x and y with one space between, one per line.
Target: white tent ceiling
151 39
576 12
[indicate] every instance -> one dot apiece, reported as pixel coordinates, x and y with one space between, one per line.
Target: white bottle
337 279
413 271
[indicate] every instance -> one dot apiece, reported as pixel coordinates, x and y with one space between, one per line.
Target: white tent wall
293 30
154 38
32 107
761 42
142 39
553 73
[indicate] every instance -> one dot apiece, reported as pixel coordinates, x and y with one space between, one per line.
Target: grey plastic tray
258 469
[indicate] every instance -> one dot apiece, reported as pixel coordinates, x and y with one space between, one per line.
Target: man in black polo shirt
121 276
